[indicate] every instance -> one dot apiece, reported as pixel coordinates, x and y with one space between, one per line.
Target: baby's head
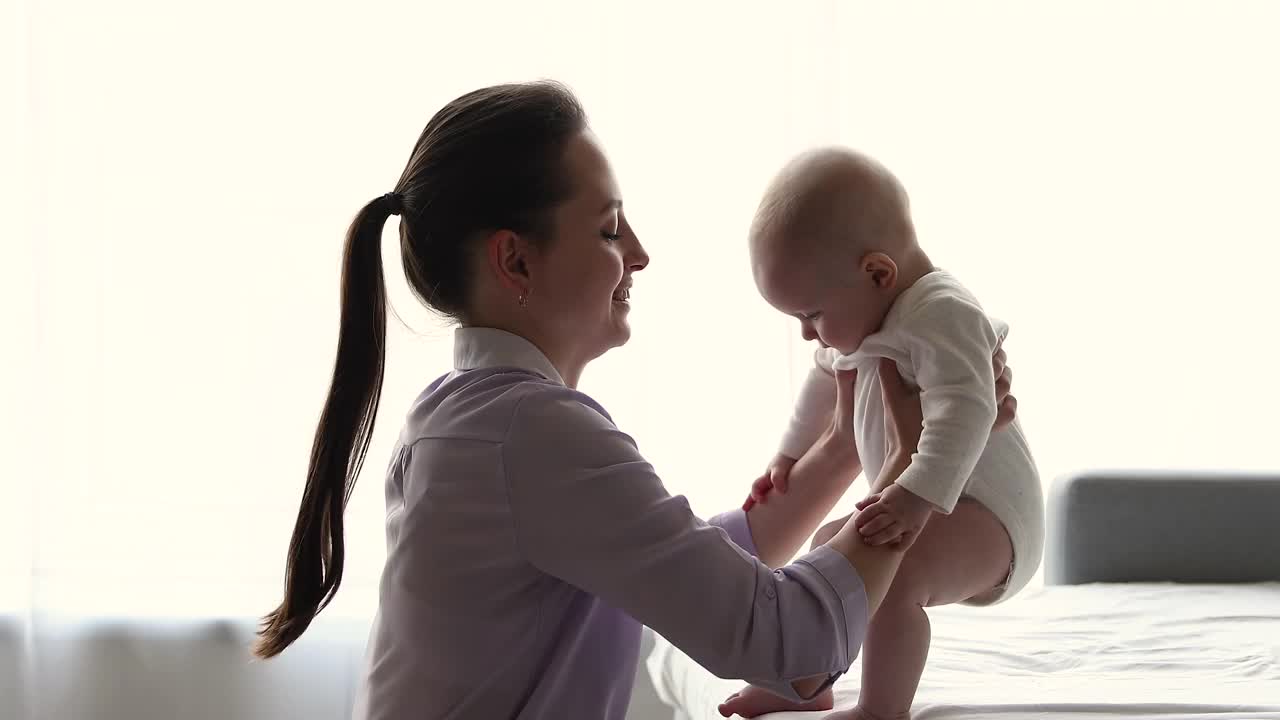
833 245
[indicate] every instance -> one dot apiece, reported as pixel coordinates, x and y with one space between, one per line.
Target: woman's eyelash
611 237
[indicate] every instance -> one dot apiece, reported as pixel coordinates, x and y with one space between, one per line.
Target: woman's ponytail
316 552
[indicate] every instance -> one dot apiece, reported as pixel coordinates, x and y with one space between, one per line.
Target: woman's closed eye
615 229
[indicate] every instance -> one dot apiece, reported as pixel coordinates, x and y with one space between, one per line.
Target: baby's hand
895 515
776 476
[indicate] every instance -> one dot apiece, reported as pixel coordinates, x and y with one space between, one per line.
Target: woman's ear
507 256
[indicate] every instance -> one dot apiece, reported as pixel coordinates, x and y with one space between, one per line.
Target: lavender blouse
528 540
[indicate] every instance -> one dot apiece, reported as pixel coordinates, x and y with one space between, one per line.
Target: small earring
524 300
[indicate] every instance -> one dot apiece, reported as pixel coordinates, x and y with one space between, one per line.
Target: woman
527 537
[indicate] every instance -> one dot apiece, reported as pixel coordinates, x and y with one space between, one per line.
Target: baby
833 244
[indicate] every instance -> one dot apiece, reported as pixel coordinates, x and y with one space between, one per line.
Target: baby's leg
956 557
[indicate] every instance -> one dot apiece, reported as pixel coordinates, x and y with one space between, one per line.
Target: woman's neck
570 370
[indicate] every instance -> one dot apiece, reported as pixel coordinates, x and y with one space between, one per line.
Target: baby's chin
845 347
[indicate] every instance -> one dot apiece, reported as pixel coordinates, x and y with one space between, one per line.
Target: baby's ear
881 269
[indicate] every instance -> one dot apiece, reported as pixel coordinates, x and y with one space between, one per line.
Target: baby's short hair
834 198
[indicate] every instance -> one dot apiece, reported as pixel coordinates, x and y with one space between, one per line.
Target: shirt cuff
836 569
735 525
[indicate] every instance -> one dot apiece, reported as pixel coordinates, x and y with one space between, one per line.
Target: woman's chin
617 336
623 333
621 329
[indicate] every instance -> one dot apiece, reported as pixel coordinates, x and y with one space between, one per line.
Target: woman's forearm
780 526
875 565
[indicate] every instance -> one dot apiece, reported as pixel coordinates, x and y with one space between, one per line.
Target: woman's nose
636 259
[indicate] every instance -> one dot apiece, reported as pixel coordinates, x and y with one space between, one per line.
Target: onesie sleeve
951 342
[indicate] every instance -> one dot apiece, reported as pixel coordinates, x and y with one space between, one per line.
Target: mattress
1148 650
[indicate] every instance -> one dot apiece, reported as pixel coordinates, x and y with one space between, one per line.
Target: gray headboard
1148 526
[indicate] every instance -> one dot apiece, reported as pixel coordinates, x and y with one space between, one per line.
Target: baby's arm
809 419
814 405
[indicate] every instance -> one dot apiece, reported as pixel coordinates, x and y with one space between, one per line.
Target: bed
1161 600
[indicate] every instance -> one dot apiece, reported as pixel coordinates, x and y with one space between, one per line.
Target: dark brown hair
490 160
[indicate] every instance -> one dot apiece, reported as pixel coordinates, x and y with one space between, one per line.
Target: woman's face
580 281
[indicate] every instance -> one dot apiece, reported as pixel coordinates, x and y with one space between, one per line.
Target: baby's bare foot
751 701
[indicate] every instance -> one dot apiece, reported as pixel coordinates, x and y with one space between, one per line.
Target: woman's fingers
1006 403
1004 382
1006 412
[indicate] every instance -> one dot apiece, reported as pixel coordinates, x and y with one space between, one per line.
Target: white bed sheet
1174 652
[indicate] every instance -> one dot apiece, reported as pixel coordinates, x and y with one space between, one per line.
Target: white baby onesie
942 342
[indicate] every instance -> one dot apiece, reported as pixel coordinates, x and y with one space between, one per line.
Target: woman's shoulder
556 435
551 406
493 403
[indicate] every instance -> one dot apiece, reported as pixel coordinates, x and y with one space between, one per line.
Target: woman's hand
1006 403
903 419
777 474
891 513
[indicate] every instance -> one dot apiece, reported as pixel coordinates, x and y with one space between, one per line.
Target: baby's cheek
844 336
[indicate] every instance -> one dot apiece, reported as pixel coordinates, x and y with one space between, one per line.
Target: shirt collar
476 348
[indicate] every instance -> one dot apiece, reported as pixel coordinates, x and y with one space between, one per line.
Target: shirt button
770 593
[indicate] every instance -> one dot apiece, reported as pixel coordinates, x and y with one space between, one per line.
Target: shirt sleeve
951 342
814 405
588 509
735 525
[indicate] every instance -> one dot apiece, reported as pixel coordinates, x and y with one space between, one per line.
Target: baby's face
838 309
